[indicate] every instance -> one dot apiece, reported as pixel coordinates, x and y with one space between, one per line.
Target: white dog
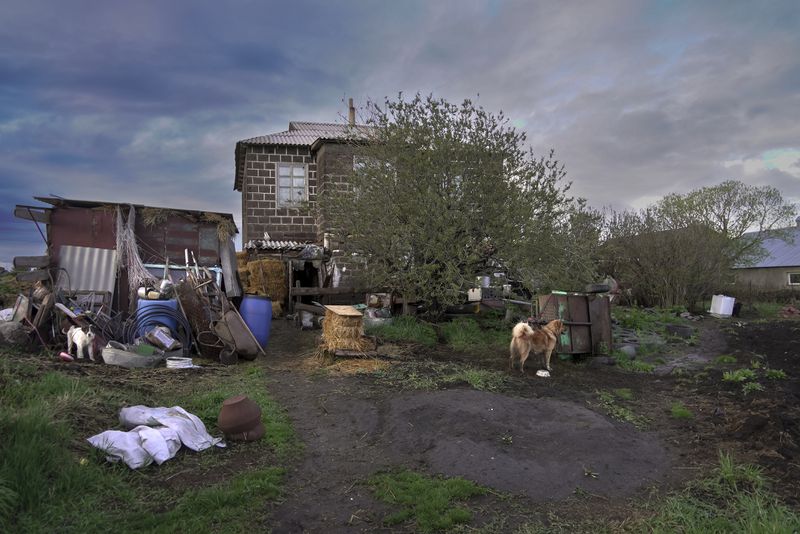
81 338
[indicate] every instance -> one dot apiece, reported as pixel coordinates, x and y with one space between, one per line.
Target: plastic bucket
257 314
146 306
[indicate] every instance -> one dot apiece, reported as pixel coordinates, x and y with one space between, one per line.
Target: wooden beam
25 262
41 215
33 276
303 291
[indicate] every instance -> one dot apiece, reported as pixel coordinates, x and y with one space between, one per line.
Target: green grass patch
646 319
739 375
405 328
734 498
775 374
725 359
466 333
431 503
679 411
609 403
767 310
430 375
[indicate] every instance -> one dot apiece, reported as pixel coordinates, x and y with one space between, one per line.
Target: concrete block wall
260 210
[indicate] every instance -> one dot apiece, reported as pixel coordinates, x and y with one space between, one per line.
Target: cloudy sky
144 101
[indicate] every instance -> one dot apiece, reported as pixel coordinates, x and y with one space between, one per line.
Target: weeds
733 499
428 502
739 375
751 387
725 359
679 411
775 374
628 364
621 413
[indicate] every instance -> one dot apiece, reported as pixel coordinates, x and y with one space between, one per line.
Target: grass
609 403
767 310
405 328
679 411
739 375
623 393
429 375
465 334
431 503
52 480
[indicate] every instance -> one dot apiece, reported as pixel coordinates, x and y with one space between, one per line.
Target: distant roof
66 202
781 253
298 134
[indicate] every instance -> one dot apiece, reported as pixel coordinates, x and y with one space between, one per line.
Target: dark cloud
144 101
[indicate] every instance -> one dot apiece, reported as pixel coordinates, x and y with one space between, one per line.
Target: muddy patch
543 448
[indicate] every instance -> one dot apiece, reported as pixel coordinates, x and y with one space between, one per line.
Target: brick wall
260 210
335 164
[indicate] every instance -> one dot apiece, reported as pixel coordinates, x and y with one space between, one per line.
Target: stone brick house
281 176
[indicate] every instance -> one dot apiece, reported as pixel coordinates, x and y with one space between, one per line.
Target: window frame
292 188
789 278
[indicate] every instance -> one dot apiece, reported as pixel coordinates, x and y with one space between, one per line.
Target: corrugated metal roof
781 253
305 133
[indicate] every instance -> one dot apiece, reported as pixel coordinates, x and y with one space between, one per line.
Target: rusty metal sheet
81 227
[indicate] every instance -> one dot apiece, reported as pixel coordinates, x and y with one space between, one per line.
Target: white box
722 306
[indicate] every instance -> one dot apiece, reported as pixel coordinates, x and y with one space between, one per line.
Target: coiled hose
153 316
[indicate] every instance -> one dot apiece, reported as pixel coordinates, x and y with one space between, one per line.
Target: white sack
138 447
190 429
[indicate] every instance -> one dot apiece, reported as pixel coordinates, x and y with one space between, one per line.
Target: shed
780 268
161 233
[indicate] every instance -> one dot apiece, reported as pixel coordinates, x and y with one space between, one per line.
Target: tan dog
525 339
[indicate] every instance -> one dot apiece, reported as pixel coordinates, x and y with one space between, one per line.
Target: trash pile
106 304
171 319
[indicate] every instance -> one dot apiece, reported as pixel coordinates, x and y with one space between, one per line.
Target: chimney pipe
351 119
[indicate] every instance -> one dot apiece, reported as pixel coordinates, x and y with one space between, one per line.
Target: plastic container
257 314
722 305
146 306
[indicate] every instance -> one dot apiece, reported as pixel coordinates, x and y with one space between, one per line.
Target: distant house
780 269
281 176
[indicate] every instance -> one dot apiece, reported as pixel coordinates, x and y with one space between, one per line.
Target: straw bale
342 332
267 277
242 257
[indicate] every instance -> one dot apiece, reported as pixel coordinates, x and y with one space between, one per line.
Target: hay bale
343 329
244 278
242 257
268 278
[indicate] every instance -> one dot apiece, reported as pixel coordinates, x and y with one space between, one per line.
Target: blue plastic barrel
257 314
146 306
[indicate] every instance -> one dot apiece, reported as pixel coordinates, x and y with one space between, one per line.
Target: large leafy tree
441 193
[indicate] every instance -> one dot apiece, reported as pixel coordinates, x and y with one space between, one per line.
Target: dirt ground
545 445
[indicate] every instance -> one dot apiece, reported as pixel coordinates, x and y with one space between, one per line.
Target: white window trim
789 279
290 204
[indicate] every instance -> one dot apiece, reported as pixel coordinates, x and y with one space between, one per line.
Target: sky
143 102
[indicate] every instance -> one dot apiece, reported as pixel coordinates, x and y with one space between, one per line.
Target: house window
794 279
292 186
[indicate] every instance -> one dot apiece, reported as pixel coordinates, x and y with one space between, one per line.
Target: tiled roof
781 253
305 133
